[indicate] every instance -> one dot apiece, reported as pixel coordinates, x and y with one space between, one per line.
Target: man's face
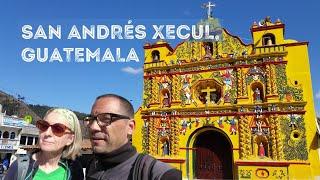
109 138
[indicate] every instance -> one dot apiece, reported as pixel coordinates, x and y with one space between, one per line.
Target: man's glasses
57 128
104 119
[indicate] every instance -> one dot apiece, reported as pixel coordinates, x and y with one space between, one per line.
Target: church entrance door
213 156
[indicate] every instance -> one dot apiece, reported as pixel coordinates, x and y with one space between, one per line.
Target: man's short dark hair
125 104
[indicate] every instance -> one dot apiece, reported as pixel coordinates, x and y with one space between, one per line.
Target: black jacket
124 164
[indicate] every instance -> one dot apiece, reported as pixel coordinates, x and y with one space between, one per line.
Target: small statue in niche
208 50
165 148
166 100
257 95
261 150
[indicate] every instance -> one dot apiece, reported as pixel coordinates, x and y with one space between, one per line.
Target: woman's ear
70 139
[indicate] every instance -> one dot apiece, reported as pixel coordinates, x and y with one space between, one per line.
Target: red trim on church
228 114
172 160
263 28
270 163
188 148
215 69
158 45
297 44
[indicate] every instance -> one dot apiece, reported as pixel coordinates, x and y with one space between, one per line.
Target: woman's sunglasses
57 128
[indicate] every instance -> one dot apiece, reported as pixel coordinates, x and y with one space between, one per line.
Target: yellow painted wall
298 69
137 136
257 36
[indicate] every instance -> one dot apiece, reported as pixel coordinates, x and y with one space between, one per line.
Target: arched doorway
212 158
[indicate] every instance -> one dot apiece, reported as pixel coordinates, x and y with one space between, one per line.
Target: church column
175 88
244 133
279 139
147 92
145 135
196 50
153 137
273 138
240 82
154 90
174 135
274 89
268 79
244 84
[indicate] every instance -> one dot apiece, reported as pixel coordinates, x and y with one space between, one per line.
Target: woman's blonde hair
73 150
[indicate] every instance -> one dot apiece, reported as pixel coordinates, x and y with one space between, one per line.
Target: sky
75 85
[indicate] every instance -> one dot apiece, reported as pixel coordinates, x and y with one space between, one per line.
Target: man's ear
131 126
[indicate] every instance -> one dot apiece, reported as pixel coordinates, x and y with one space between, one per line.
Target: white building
14 134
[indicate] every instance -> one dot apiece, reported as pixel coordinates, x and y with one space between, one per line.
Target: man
110 124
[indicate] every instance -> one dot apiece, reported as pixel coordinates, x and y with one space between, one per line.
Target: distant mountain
42 109
14 106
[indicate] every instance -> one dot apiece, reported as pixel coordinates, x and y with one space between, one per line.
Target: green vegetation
17 107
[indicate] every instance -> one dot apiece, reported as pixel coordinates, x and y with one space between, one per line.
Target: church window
155 56
268 39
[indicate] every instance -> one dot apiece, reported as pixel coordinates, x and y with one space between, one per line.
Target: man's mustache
98 135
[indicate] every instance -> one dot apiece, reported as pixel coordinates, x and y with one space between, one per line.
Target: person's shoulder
12 171
162 170
76 169
75 163
157 164
172 174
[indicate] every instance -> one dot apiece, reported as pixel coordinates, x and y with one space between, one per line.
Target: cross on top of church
208 90
209 6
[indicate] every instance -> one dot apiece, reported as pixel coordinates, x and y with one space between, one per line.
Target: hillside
14 106
42 109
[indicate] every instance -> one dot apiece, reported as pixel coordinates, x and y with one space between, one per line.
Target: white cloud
132 70
318 95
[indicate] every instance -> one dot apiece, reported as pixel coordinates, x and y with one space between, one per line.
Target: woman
60 141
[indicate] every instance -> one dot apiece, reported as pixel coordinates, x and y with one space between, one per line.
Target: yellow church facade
229 110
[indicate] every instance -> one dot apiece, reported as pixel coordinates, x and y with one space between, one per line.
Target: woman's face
49 141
